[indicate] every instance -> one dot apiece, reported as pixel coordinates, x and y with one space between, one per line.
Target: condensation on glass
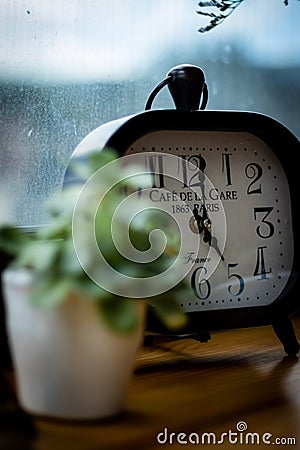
67 66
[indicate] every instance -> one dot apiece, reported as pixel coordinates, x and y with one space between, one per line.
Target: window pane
67 66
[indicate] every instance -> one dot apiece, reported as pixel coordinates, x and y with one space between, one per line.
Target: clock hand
204 222
201 176
214 243
204 225
207 225
212 240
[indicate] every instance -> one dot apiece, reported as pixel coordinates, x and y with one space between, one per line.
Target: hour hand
204 225
203 222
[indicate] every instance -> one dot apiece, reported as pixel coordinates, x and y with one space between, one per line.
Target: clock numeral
198 178
226 167
260 268
254 172
240 280
156 167
269 227
201 287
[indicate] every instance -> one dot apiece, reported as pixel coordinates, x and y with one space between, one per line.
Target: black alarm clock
242 207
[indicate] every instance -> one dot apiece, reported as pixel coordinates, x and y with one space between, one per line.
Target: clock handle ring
186 84
156 90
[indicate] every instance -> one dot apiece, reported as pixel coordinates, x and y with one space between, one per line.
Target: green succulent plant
49 251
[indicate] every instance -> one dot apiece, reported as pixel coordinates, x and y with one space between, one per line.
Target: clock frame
123 133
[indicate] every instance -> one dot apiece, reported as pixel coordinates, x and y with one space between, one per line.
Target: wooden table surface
240 380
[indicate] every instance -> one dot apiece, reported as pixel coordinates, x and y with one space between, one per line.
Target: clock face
236 183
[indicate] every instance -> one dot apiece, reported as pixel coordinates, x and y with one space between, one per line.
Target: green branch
218 11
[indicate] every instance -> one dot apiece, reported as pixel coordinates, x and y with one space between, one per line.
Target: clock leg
202 337
285 332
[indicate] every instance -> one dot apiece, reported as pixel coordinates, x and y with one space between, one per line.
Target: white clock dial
251 254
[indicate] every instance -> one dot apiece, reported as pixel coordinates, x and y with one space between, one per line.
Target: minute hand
204 224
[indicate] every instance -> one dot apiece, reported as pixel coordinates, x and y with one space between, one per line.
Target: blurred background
68 66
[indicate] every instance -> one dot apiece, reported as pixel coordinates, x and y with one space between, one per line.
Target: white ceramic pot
68 363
